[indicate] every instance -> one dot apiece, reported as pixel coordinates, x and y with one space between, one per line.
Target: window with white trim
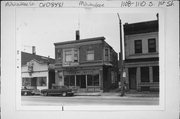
68 56
90 55
152 45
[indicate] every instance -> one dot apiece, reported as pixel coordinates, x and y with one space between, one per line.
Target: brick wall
98 52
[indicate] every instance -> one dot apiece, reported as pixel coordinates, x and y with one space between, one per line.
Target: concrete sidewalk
87 94
152 94
117 94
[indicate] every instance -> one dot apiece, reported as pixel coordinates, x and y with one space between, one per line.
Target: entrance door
132 78
81 81
34 82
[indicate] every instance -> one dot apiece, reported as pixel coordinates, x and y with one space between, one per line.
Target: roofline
81 40
140 22
35 61
110 46
38 55
141 27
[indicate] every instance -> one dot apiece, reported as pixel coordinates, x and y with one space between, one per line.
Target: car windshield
64 87
60 87
28 88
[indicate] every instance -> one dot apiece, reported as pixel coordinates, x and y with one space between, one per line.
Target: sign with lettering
93 4
81 72
30 66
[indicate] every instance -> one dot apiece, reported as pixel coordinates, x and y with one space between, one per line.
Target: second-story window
90 55
75 55
58 54
138 46
106 54
68 56
152 45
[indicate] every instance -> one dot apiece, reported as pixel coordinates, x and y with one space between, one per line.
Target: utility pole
121 58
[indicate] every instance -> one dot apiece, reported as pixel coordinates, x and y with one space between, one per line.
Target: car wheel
46 94
64 94
25 93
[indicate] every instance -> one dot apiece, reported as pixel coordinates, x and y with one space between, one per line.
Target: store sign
70 63
30 66
82 72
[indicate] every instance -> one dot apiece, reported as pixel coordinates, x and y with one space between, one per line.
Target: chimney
77 35
33 50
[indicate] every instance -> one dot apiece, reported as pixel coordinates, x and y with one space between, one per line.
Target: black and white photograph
88 59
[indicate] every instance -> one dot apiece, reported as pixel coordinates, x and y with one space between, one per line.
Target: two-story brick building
89 65
142 55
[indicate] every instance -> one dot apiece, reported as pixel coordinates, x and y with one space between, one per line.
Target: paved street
88 100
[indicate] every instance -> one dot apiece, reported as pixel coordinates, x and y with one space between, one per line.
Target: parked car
29 91
58 90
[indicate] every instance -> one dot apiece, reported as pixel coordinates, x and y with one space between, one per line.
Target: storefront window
155 73
41 81
144 74
89 80
96 80
93 80
26 81
69 80
66 80
72 80
78 80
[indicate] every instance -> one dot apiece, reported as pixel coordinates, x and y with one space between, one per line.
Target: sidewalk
143 94
116 94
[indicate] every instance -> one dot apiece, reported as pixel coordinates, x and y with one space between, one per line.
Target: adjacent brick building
89 65
142 55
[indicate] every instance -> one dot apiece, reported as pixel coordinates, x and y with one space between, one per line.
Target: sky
44 27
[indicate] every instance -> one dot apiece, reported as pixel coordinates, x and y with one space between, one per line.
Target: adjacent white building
37 71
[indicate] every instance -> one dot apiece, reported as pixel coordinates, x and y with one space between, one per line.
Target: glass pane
78 80
90 55
152 45
66 80
68 56
89 80
138 46
72 80
96 80
156 74
41 81
144 74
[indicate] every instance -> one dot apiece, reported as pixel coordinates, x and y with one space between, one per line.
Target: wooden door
132 78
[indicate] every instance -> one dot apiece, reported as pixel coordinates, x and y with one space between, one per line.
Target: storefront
142 76
83 80
88 65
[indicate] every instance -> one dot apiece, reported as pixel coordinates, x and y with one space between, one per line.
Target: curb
87 94
116 94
